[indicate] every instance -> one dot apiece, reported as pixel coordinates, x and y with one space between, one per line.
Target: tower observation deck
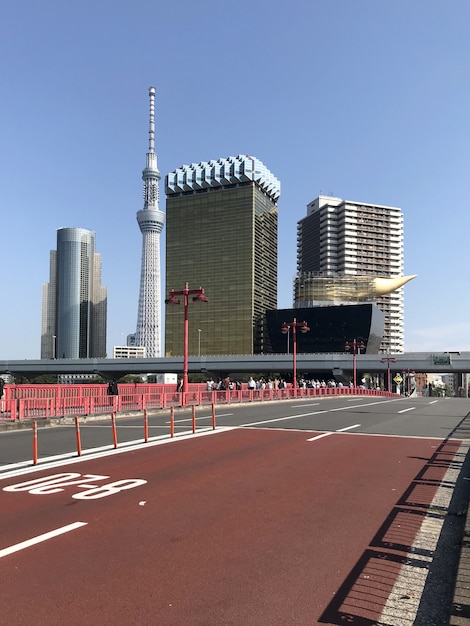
151 221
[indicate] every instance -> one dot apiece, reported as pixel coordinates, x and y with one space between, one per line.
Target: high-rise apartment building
221 235
74 303
151 221
347 240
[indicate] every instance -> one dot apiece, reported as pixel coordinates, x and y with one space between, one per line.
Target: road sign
398 379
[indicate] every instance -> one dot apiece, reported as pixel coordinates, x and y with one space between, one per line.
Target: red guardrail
55 401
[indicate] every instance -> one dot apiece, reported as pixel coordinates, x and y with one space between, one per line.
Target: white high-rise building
343 238
151 221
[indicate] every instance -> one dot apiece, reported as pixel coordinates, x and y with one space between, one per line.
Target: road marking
200 417
332 432
281 419
301 406
412 408
319 436
293 417
341 430
433 401
34 540
24 467
347 408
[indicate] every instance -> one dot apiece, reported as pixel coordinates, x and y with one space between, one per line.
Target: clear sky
363 99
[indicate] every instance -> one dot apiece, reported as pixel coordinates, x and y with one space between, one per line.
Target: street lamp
408 373
54 339
389 359
285 328
355 346
199 342
172 299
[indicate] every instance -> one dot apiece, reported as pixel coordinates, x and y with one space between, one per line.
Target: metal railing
34 402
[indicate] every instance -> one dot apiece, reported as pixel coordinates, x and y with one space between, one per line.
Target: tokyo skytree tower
151 221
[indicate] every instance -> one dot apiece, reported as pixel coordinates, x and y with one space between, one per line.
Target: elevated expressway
425 362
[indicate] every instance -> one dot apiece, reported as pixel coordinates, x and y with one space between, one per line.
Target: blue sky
364 99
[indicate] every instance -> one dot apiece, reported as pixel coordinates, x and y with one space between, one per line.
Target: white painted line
347 408
282 419
332 432
319 436
301 406
412 408
293 417
200 417
342 430
31 542
433 401
17 469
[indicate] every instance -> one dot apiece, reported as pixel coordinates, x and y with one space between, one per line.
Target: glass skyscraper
221 234
74 301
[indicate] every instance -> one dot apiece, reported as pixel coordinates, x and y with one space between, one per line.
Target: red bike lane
246 527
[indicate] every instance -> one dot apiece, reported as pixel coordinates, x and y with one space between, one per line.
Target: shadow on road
411 564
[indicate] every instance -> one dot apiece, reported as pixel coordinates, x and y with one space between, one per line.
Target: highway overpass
425 362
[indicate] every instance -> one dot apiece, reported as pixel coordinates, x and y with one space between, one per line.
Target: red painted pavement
246 527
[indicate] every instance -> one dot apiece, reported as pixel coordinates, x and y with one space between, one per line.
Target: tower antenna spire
152 91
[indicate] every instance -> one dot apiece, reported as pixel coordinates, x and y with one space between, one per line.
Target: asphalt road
325 511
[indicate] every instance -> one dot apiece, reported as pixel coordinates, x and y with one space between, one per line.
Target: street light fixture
408 373
285 328
389 359
172 299
355 346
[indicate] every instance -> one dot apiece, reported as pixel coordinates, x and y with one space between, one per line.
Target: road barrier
146 426
113 426
56 401
35 443
77 436
114 430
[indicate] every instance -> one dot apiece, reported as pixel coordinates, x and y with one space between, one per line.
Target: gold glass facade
223 239
312 289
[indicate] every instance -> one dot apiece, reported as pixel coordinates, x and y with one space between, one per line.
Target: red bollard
213 416
146 427
35 443
77 435
113 424
172 422
193 418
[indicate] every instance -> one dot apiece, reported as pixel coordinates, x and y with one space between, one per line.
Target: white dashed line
40 538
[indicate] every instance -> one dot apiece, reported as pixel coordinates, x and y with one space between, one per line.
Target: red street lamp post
302 326
389 359
172 299
355 346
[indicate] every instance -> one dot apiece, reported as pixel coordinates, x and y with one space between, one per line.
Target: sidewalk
460 612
